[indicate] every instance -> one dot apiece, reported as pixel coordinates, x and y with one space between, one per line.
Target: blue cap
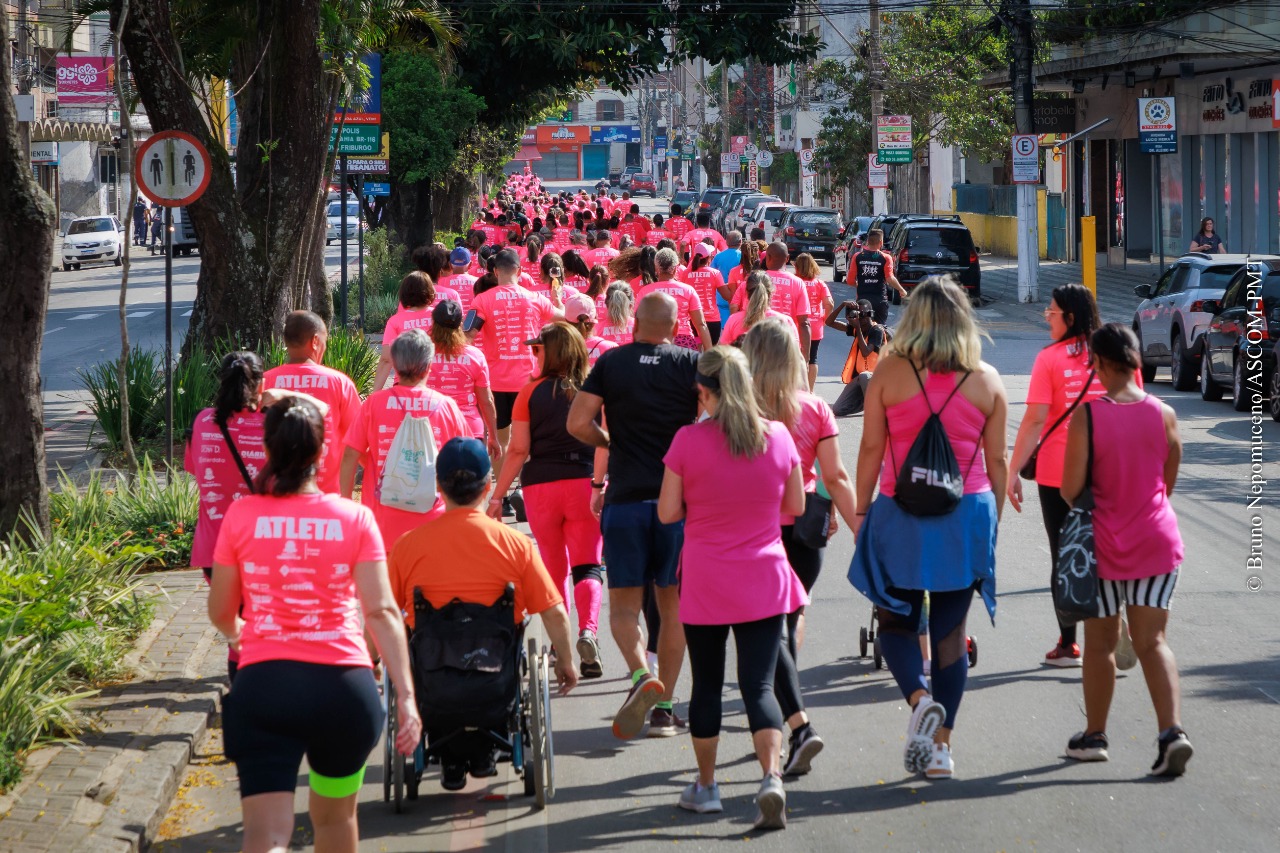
460 257
462 454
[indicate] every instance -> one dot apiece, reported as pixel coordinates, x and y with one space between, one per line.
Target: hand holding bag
1075 578
1028 469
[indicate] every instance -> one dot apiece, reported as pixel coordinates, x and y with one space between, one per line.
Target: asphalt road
1013 789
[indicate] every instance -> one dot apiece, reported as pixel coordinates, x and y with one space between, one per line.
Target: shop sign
1157 126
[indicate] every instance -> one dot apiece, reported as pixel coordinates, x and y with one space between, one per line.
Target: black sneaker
453 777
1175 752
508 511
1088 746
483 766
802 748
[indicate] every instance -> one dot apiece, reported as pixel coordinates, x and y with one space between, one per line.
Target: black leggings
713 329
652 618
806 562
900 642
1055 509
757 644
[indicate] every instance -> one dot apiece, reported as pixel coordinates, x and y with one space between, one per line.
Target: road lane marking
54 329
85 316
188 314
133 314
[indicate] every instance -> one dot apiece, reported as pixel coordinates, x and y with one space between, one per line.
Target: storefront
561 148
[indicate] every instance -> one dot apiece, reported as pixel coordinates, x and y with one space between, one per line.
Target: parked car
1171 319
642 183
687 199
334 217
726 203
615 176
766 216
815 230
1239 343
903 218
924 247
624 182
93 240
850 244
709 197
744 209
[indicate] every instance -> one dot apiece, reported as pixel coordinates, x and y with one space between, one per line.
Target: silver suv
1171 319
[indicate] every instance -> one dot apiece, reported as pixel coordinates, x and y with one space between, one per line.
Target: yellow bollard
1089 254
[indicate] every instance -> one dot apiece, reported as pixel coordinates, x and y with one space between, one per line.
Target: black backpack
930 483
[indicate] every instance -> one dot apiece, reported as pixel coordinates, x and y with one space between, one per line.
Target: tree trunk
454 202
411 214
260 234
27 221
127 177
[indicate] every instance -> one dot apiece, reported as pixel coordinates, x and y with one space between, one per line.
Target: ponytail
534 248
618 301
239 377
648 267
761 288
723 371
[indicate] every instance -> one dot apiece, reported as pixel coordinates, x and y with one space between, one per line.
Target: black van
925 247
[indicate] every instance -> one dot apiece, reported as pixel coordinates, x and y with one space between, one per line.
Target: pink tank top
1135 530
962 420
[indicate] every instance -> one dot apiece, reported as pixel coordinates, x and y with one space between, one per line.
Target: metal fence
986 199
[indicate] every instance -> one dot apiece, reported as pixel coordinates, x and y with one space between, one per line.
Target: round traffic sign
806 156
751 150
764 159
1024 145
172 168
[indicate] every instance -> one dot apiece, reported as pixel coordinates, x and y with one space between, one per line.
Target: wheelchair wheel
530 786
876 656
392 761
862 642
973 653
540 727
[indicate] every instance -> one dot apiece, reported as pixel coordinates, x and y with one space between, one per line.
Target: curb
111 791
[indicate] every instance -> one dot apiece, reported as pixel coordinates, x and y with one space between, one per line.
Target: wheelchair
478 686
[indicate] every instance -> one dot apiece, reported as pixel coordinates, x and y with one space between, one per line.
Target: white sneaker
940 766
771 803
926 719
701 800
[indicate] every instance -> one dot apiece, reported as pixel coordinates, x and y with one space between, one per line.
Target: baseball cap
460 257
462 454
579 305
447 313
538 340
701 250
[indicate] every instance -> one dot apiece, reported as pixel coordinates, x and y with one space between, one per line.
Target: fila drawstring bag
929 481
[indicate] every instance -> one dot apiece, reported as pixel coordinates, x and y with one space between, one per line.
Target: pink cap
701 250
579 305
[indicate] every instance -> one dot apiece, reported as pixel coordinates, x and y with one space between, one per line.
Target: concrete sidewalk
1116 299
109 793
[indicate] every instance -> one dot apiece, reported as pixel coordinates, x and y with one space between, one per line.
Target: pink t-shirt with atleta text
685 296
295 556
462 377
415 318
511 315
461 283
218 478
329 386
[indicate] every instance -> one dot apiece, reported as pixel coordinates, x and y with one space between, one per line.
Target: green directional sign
357 139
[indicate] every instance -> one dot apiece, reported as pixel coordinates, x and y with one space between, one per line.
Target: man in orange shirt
466 555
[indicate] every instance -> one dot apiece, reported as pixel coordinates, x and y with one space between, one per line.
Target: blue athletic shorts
638 548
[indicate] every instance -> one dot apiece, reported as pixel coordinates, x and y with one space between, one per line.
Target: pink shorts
561 521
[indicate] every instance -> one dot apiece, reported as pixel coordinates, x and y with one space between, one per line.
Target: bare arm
489 414
875 434
224 602
806 336
896 285
995 440
793 496
1075 466
700 329
512 461
836 480
383 621
383 373
1174 459
1028 435
347 473
582 420
835 316
671 498
555 621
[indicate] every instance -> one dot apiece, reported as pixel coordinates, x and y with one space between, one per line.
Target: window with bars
608 110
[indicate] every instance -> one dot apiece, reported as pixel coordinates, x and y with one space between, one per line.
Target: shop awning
528 152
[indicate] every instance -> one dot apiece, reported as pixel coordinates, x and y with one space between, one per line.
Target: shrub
349 352
378 308
145 386
195 384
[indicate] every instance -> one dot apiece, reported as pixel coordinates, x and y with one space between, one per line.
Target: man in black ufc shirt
873 270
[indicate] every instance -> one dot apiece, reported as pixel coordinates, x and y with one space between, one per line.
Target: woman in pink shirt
1126 448
580 310
691 330
298 578
620 324
460 371
576 273
531 264
418 295
551 282
706 280
370 437
727 477
820 305
759 288
934 365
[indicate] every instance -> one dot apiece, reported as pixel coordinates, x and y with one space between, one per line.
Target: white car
93 240
767 215
334 215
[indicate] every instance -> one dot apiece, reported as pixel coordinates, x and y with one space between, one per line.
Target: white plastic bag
409 474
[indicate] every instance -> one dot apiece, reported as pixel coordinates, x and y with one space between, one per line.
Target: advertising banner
568 134
85 81
615 133
366 108
1157 126
893 139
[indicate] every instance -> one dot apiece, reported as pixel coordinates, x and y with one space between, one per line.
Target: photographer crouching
857 320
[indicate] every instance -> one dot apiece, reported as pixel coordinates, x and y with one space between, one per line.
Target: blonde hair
619 301
777 370
760 297
938 329
738 414
807 267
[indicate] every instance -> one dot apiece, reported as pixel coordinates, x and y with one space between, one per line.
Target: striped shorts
1142 592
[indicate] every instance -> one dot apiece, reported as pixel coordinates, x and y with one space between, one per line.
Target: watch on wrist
596 485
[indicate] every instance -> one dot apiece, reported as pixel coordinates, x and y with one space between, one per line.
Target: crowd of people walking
641 390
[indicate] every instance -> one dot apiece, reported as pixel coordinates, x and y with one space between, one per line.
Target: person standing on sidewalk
1126 448
555 471
1060 380
727 478
873 275
305 338
900 555
310 571
647 389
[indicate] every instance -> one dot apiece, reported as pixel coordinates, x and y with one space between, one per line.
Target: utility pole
24 74
724 118
878 202
1024 120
